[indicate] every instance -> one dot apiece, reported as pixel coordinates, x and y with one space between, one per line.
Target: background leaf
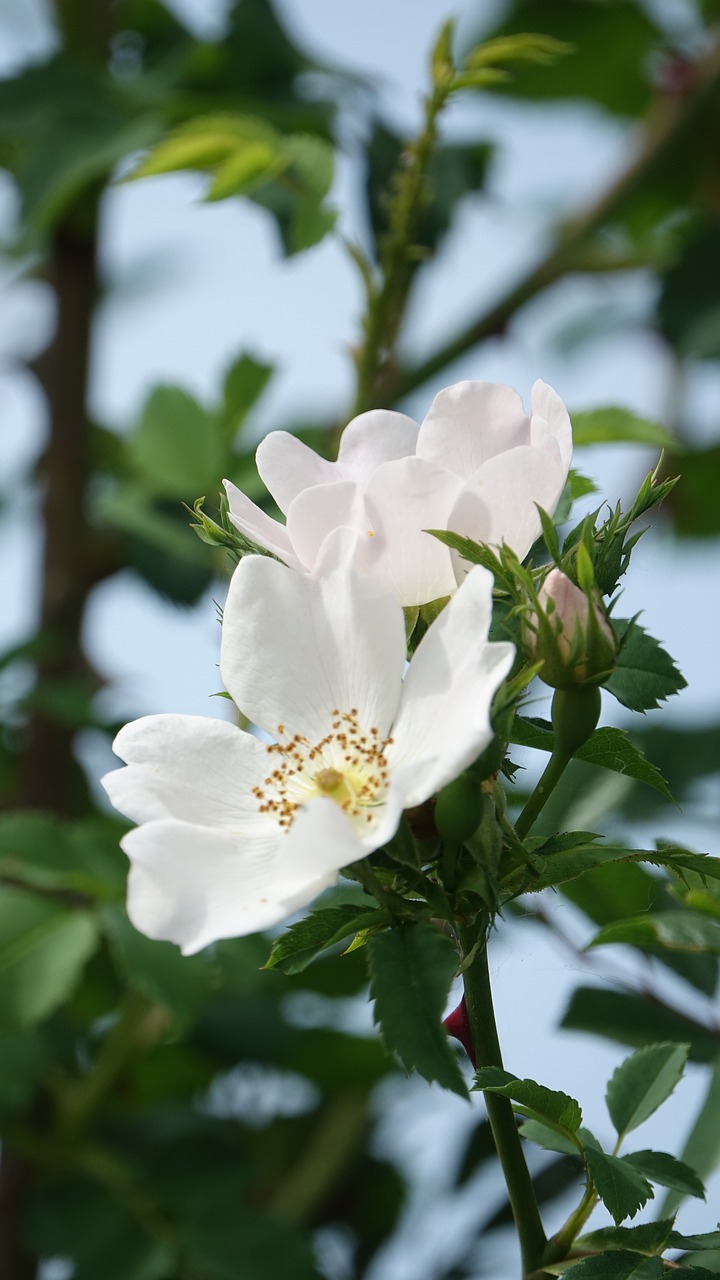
43 948
642 1083
604 426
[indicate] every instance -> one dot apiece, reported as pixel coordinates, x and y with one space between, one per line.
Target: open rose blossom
235 834
477 465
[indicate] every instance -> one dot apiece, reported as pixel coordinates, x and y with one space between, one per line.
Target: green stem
521 1193
560 1246
575 713
562 1242
554 769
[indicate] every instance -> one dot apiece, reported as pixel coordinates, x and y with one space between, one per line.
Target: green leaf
66 131
227 1236
43 852
644 675
44 946
676 930
649 1237
621 890
680 860
549 1106
611 44
689 305
250 167
615 891
75 1217
205 142
658 1166
706 1240
177 447
573 860
611 748
548 1138
411 969
297 197
243 385
557 868
158 969
702 1148
617 1265
295 949
636 1020
642 1083
613 424
524 47
695 511
608 748
621 1188
24 1056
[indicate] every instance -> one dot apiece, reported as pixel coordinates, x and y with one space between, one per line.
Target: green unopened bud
441 59
459 810
570 634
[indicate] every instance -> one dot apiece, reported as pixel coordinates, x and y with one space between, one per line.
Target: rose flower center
347 765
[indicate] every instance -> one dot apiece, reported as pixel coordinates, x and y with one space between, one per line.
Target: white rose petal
235 835
477 466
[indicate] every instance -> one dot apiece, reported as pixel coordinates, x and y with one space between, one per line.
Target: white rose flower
234 835
477 465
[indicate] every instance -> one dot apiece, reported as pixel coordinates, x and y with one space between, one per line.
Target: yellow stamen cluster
348 765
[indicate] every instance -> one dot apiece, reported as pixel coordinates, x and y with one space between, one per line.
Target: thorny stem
399 260
483 1028
551 775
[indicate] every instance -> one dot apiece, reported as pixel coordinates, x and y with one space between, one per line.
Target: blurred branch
17 1176
49 775
139 1026
334 1139
399 260
670 121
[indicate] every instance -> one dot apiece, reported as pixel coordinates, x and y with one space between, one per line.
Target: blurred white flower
477 466
234 835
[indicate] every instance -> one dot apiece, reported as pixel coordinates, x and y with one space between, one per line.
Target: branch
671 122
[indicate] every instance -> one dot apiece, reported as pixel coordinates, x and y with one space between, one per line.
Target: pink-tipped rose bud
456 1024
571 634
